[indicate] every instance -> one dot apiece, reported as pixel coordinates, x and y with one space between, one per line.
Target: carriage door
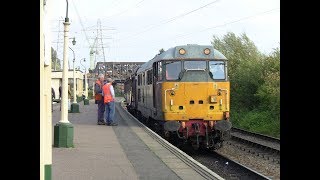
154 81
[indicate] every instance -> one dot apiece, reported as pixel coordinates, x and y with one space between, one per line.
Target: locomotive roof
192 51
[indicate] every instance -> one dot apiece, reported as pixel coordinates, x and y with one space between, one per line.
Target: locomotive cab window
195 65
217 69
173 70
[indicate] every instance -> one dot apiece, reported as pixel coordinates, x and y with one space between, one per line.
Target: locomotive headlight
182 51
206 51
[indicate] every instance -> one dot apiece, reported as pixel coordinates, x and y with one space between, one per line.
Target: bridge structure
118 71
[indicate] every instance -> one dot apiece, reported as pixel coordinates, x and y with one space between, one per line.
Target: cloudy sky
135 30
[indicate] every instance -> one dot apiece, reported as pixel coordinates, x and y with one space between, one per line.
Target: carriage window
195 65
139 95
143 78
217 69
139 79
149 77
172 70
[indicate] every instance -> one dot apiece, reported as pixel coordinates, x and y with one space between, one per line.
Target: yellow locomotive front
196 96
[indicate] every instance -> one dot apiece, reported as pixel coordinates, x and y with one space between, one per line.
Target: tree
269 91
243 67
254 84
54 59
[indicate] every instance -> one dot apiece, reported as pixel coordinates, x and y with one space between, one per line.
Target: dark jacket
98 90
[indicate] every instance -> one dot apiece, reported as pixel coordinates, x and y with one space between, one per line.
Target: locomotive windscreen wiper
217 64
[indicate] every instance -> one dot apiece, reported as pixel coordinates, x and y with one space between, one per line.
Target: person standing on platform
99 98
109 96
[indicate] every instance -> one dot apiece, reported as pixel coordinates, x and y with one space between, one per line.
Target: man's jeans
110 110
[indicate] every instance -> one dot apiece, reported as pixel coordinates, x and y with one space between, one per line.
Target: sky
135 30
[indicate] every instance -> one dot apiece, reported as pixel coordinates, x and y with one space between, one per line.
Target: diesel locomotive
184 93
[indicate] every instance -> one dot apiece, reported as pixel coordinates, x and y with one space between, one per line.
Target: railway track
226 167
261 145
209 161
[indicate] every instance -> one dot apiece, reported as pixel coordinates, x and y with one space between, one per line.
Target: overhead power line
224 24
74 5
231 22
117 14
187 13
169 20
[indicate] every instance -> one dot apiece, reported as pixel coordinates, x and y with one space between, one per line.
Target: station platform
114 152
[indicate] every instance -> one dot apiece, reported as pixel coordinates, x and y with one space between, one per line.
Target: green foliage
255 84
237 49
259 121
243 67
269 92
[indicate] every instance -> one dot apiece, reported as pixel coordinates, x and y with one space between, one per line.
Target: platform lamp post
63 130
86 100
74 105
